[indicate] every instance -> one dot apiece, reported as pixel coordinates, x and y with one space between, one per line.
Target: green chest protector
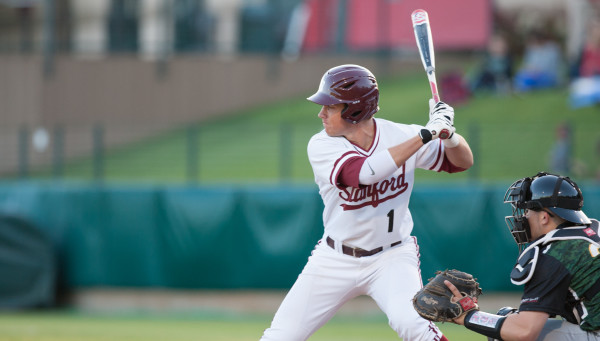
525 267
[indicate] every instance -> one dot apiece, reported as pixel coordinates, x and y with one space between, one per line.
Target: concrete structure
137 95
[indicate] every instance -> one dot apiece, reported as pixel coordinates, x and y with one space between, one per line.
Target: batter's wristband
452 141
425 135
484 323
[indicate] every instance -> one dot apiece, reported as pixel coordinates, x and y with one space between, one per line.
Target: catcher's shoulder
525 267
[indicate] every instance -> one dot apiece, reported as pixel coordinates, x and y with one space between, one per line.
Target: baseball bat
422 29
420 21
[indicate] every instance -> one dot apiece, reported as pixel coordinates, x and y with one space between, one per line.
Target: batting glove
441 109
440 128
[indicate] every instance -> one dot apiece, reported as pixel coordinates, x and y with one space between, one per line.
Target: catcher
559 266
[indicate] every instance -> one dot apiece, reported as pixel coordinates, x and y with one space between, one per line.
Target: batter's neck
363 134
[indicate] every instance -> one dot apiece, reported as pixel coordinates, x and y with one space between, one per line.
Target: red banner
378 24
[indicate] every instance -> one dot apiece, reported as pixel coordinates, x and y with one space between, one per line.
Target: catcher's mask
353 85
558 194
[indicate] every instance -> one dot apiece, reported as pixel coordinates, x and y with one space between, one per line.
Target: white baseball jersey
369 216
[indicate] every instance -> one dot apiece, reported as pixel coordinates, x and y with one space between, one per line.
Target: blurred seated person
561 151
585 84
542 64
496 71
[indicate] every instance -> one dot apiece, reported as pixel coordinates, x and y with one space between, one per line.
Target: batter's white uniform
372 218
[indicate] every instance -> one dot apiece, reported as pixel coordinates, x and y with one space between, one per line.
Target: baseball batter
364 168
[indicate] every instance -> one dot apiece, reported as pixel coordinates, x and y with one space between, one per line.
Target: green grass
70 326
511 137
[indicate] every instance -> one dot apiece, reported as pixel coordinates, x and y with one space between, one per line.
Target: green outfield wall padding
233 237
27 265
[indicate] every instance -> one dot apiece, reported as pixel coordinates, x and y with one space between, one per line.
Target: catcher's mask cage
352 85
558 194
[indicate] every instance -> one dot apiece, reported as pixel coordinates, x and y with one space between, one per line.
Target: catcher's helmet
559 194
352 85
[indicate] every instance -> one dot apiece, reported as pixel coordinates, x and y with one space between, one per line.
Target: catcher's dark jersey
565 282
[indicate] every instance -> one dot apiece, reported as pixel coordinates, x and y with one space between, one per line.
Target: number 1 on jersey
390 220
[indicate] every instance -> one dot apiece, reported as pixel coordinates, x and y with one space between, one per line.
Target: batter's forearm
383 164
461 155
402 152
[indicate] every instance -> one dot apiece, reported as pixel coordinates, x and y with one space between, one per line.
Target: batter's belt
356 251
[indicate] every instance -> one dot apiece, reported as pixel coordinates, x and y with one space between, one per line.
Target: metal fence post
48 38
285 152
58 152
98 152
340 31
192 153
165 39
23 152
473 131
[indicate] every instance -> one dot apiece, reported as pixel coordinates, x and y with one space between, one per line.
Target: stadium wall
234 237
80 95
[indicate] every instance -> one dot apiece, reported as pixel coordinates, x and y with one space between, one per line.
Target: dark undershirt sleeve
548 287
449 167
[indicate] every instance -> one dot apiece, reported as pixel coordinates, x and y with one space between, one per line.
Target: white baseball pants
330 279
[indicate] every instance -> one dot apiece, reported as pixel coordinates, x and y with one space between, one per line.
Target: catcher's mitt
434 301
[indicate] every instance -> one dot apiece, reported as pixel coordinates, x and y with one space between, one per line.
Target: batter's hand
440 128
441 109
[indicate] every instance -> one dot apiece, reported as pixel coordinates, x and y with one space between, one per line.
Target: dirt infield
246 301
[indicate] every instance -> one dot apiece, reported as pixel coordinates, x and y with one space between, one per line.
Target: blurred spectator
560 154
596 162
598 158
454 88
496 71
542 64
585 84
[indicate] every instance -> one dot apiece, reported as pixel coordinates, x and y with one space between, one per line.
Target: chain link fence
256 152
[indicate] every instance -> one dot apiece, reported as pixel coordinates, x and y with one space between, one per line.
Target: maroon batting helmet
352 85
